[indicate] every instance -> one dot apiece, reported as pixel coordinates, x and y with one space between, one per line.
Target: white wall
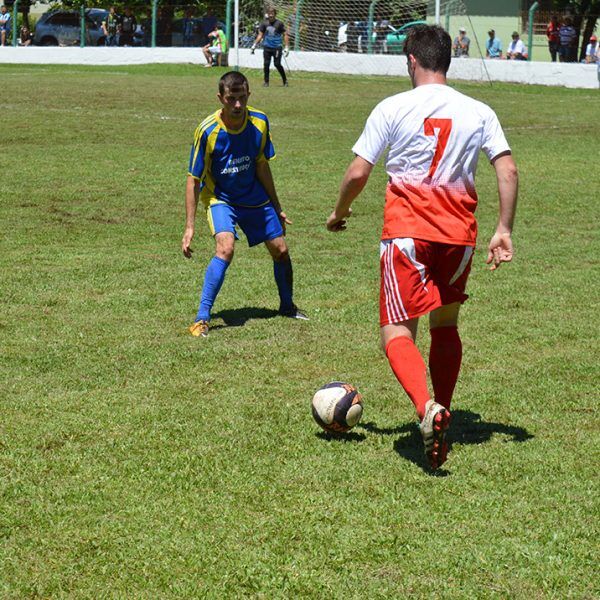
571 75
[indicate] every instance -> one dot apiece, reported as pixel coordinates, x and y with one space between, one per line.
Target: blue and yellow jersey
224 160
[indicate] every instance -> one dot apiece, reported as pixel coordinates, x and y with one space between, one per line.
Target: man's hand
336 222
186 241
286 51
284 220
500 250
253 49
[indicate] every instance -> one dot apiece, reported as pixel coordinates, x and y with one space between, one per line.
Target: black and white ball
337 407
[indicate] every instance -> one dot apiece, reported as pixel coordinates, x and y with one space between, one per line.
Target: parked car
63 28
395 40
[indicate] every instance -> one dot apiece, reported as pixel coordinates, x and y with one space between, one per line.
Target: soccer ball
337 407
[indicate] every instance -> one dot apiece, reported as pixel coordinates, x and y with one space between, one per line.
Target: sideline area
571 75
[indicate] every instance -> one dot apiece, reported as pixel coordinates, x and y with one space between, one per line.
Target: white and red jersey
434 135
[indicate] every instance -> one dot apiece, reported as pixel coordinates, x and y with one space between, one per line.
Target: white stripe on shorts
384 249
393 299
407 247
463 264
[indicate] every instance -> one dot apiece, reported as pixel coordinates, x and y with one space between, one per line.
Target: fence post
450 6
370 26
82 27
228 10
154 13
15 16
532 11
297 25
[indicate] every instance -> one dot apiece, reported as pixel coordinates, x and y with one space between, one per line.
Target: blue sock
213 280
284 277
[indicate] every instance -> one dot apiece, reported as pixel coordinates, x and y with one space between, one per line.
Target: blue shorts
259 224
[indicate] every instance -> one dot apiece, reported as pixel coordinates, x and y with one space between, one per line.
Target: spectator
147 28
5 20
461 44
110 27
567 41
381 29
591 51
208 24
188 28
128 26
552 35
25 37
493 46
217 47
516 49
163 28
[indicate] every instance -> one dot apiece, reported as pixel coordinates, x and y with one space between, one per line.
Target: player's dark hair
431 46
233 79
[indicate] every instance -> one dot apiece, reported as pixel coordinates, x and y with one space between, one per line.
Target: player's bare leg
398 341
284 277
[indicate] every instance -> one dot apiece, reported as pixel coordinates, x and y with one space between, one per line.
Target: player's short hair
431 46
233 79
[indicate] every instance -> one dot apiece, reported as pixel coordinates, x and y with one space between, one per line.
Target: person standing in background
272 30
552 35
128 26
110 27
567 35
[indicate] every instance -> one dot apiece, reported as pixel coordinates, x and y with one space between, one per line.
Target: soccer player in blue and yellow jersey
229 171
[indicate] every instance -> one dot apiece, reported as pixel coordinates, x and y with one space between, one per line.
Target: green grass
138 462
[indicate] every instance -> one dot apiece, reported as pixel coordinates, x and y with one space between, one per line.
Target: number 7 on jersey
445 127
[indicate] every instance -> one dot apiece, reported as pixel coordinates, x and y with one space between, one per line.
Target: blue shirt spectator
567 40
4 25
493 46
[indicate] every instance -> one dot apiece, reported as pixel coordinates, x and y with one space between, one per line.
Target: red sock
445 356
410 370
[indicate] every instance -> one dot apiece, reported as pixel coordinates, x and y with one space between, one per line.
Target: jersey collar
234 131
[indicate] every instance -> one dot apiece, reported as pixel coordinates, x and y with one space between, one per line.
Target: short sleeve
268 150
374 138
494 141
281 27
197 152
262 28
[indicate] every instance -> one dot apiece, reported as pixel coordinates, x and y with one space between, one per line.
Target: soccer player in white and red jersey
434 135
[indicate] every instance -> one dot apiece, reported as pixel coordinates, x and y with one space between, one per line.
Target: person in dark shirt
271 32
128 27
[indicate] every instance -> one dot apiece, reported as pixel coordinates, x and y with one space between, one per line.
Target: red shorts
418 276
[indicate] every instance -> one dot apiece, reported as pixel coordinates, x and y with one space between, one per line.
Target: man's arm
354 181
264 175
500 248
257 41
192 193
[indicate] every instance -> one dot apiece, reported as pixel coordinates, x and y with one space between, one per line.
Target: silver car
63 28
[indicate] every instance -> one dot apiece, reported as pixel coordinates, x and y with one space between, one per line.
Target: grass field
138 462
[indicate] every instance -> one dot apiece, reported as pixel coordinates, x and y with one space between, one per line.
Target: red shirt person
552 35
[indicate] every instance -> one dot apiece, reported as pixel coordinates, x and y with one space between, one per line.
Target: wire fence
338 26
